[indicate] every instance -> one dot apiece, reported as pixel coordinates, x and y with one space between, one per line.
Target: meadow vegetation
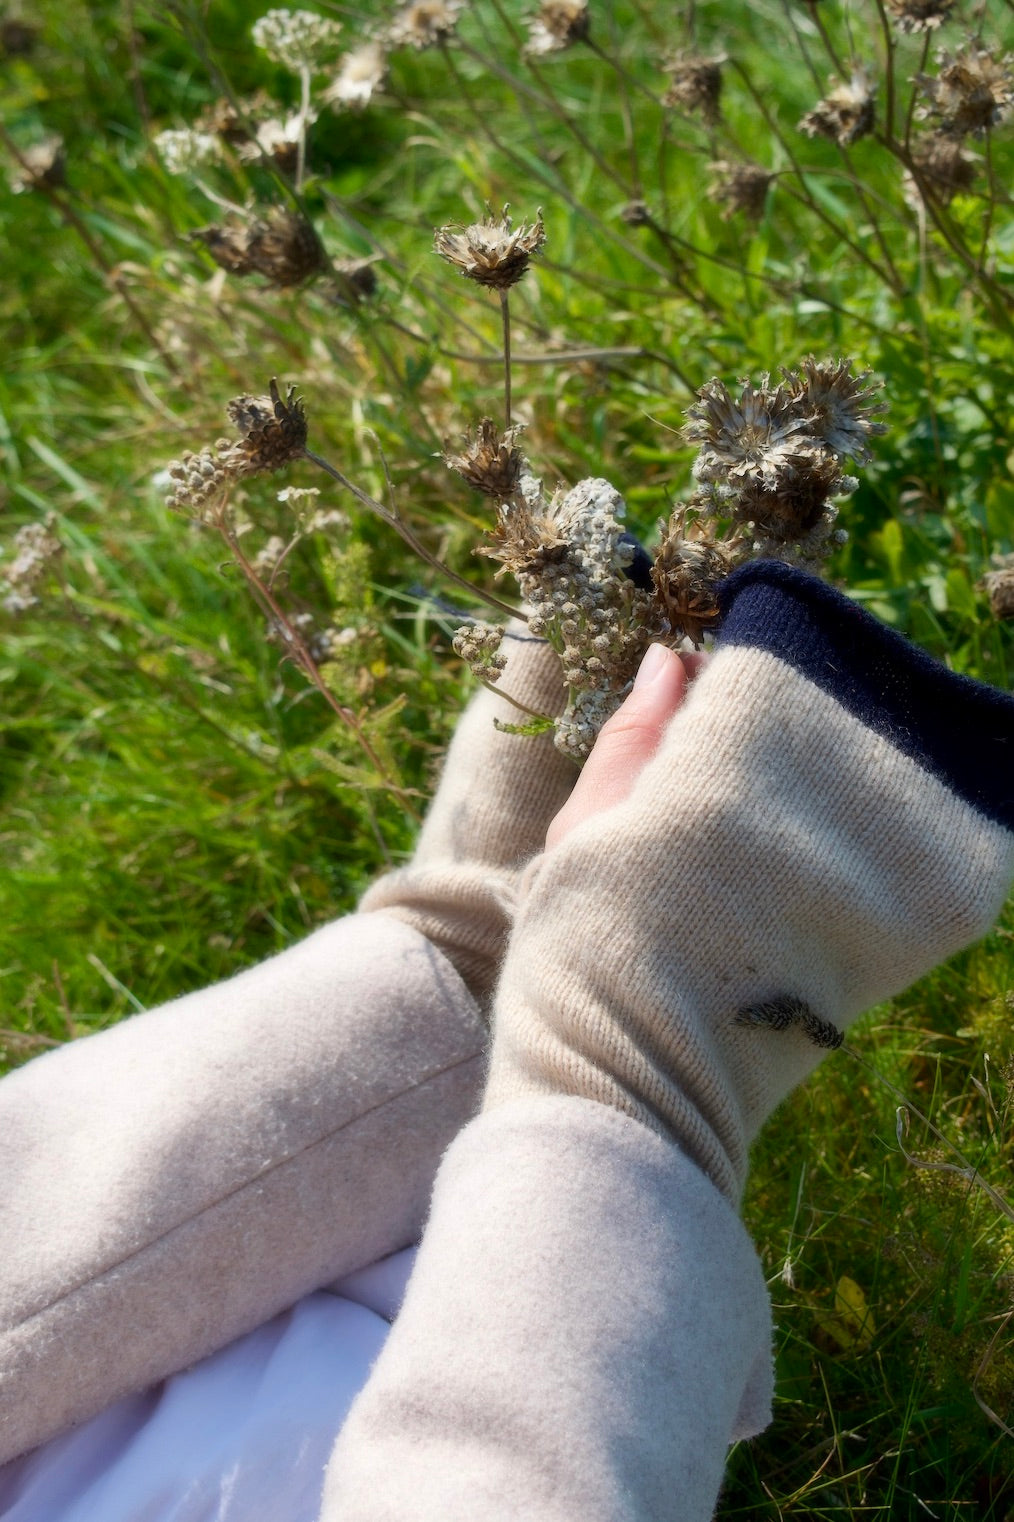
221 718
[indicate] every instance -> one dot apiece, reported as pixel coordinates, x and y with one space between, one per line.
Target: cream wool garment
828 816
171 1183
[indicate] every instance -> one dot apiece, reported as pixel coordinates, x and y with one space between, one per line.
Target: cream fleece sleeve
176 1180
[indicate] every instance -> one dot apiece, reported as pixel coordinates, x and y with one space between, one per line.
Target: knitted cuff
828 816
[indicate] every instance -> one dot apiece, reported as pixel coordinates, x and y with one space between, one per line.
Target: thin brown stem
505 313
395 521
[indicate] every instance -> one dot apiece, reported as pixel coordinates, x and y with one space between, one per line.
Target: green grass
176 803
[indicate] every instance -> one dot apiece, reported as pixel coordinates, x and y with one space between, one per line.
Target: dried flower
361 75
490 462
744 439
297 40
846 113
478 645
36 547
740 187
695 84
17 37
973 91
282 245
557 25
272 431
355 280
184 150
942 169
42 166
920 15
489 251
689 567
840 408
999 587
791 506
636 214
277 138
425 24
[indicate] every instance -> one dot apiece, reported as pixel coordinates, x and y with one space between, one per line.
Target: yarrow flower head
36 547
558 24
491 251
490 462
972 93
297 40
478 645
695 84
184 149
424 24
362 73
846 113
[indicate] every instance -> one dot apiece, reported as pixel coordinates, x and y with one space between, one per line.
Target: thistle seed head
943 169
490 462
272 430
695 84
745 438
791 506
282 246
846 113
999 587
558 24
491 252
740 187
972 93
689 567
426 24
840 408
920 15
362 74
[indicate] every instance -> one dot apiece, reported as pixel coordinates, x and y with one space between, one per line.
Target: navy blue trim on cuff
960 730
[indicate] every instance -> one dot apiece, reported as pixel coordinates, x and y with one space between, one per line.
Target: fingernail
653 663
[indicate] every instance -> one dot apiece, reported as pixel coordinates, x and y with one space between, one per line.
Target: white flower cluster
297 40
183 150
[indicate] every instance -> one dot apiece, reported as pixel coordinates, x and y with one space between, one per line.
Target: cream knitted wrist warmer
497 795
828 816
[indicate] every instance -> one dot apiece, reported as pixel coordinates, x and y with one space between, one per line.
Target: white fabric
243 1436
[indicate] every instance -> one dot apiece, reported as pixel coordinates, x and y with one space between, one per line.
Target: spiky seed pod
43 166
846 113
943 169
742 438
273 431
686 576
283 246
490 251
695 84
557 25
426 24
920 15
792 505
740 187
841 409
490 462
972 93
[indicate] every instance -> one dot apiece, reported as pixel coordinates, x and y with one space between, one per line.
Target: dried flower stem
395 521
505 313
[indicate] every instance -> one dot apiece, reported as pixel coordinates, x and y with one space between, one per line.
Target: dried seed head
362 73
636 214
688 570
846 113
695 84
17 38
297 40
742 438
920 15
526 538
491 252
201 482
999 587
740 187
273 431
43 166
943 169
185 149
355 280
789 507
557 25
490 462
973 91
36 547
283 246
840 407
426 24
478 645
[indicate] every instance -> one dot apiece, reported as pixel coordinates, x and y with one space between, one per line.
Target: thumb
626 742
